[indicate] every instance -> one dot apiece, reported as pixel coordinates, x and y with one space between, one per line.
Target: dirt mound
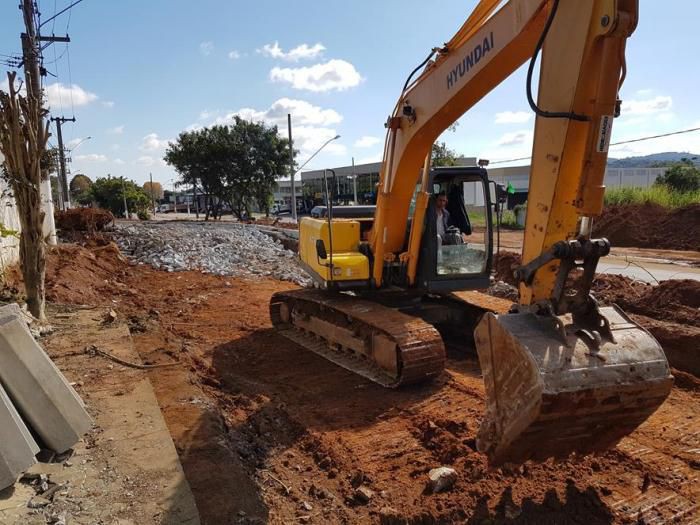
650 226
83 219
504 263
675 301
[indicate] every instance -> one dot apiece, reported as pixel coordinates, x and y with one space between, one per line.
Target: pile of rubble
220 249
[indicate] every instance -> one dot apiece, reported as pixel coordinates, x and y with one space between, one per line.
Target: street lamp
79 143
294 197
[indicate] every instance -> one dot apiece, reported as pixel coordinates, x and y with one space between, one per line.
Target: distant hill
648 161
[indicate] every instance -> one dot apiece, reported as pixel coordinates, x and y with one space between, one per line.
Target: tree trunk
23 138
33 257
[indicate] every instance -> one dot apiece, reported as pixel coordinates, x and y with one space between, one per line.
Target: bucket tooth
548 399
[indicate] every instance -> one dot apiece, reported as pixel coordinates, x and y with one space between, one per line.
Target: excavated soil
83 219
650 226
270 433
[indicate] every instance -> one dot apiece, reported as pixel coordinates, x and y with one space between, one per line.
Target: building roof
358 169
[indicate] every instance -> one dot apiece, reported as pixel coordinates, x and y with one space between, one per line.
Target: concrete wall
9 246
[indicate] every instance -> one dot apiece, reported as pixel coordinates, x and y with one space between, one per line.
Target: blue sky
140 72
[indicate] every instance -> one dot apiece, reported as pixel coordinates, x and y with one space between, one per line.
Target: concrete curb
39 391
17 446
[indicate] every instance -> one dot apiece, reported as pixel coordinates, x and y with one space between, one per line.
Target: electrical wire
640 139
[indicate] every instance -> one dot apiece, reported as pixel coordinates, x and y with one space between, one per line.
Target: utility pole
126 208
30 51
32 79
291 167
354 182
62 159
153 199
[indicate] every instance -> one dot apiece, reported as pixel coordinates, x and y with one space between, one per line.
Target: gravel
221 249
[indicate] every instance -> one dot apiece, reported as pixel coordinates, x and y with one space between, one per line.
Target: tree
108 193
237 164
683 176
154 190
23 137
79 187
442 155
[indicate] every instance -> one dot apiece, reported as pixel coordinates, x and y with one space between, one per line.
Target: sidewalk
126 471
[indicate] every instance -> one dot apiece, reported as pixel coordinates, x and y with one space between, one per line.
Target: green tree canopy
238 164
683 176
442 155
108 193
80 189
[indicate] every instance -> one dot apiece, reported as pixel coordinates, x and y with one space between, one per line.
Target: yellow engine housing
348 263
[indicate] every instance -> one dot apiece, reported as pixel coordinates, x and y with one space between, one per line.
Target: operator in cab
442 216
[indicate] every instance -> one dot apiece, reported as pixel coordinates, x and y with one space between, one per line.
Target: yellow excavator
395 286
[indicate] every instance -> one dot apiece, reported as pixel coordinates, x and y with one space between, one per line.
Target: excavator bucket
554 389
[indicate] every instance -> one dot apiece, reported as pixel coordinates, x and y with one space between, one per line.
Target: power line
60 13
650 137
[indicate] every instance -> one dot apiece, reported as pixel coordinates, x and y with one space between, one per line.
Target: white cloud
119 161
303 113
311 125
145 160
234 55
92 157
301 52
632 107
59 94
512 117
367 141
308 139
148 161
328 76
514 138
118 130
151 142
108 103
206 48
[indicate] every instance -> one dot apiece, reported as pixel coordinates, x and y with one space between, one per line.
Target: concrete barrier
38 389
17 446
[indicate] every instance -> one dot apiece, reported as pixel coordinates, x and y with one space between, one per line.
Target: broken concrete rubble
38 390
441 479
220 249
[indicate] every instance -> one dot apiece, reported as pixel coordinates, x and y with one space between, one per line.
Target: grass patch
657 194
508 221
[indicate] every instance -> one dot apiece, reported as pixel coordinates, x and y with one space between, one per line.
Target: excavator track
375 341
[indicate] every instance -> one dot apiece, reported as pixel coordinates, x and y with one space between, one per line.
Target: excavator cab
459 256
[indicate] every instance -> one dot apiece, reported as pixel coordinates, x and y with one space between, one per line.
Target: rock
363 495
308 507
441 479
38 502
110 317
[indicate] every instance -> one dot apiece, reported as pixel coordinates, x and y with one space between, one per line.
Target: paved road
647 270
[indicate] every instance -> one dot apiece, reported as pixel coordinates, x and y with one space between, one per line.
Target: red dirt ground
269 433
